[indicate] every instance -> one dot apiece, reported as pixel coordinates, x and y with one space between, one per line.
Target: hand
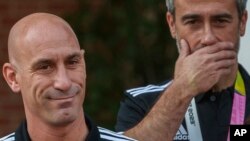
199 71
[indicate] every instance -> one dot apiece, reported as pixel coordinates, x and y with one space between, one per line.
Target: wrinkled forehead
205 7
211 3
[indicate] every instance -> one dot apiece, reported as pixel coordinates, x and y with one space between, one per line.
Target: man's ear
83 52
171 23
9 74
84 63
243 22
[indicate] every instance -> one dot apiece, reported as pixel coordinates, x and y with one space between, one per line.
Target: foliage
127 44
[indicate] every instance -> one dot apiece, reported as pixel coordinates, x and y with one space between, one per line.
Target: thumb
184 48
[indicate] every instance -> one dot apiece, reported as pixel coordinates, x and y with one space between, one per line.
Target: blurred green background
127 44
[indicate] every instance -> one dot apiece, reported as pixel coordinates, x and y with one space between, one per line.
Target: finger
224 72
224 64
184 48
223 55
218 47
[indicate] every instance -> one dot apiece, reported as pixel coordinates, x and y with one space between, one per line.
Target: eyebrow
50 60
42 61
190 16
223 15
197 16
73 55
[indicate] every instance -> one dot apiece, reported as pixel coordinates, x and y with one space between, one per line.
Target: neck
41 131
226 80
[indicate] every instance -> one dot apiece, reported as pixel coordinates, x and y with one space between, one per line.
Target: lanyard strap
239 103
192 122
237 115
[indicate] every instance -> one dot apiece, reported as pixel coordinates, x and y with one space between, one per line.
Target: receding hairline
21 27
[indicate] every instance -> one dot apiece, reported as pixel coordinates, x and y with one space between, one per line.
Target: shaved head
35 29
47 67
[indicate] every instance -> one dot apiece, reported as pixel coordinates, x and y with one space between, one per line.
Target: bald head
47 68
35 30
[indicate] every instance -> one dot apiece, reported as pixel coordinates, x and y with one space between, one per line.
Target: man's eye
72 62
44 68
221 21
191 22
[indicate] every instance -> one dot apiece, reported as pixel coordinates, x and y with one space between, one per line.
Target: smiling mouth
63 102
62 98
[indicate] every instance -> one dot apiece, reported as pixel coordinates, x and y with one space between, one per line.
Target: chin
218 88
224 83
64 118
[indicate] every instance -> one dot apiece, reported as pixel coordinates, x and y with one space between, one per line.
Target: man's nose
62 80
208 37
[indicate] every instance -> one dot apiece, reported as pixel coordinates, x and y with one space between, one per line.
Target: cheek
34 87
79 76
231 35
80 79
192 37
27 85
41 84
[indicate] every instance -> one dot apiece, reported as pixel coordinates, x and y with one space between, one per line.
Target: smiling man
47 68
209 91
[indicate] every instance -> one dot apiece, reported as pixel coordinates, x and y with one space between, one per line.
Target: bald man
47 68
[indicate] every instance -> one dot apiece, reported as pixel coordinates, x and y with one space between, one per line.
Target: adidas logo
181 134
